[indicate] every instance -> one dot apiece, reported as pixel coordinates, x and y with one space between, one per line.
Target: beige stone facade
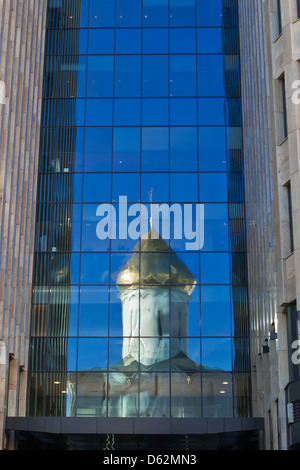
22 30
270 53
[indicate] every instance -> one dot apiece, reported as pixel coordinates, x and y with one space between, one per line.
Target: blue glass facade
140 96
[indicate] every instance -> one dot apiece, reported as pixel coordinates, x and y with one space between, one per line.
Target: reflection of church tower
155 288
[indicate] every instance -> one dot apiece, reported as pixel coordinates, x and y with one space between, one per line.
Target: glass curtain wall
141 101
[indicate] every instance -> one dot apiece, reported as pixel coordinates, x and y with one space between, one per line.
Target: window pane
102 13
213 15
128 41
217 395
183 75
194 313
155 149
61 149
98 149
212 149
59 387
64 268
100 76
68 15
115 316
216 353
155 112
92 354
218 112
182 40
126 184
156 41
210 75
126 149
215 268
213 187
129 12
184 149
90 240
127 112
154 395
101 41
216 228
159 182
156 13
155 75
99 112
94 268
123 395
216 310
91 394
184 187
128 76
62 354
217 40
93 320
183 111
186 395
182 12
97 188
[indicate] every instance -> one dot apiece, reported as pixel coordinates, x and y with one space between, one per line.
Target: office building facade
141 312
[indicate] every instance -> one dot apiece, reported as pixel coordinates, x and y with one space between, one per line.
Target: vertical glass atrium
141 101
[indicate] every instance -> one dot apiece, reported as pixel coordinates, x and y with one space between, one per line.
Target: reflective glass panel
98 149
128 75
185 395
213 187
156 13
94 268
155 112
129 13
63 311
101 41
183 77
99 112
155 149
93 319
92 354
217 395
182 40
183 111
91 394
159 182
217 353
184 187
155 75
214 268
127 112
126 184
216 228
216 310
184 149
155 41
96 188
90 220
100 76
102 13
126 149
128 41
182 12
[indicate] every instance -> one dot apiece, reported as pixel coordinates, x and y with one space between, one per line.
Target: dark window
290 217
279 17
